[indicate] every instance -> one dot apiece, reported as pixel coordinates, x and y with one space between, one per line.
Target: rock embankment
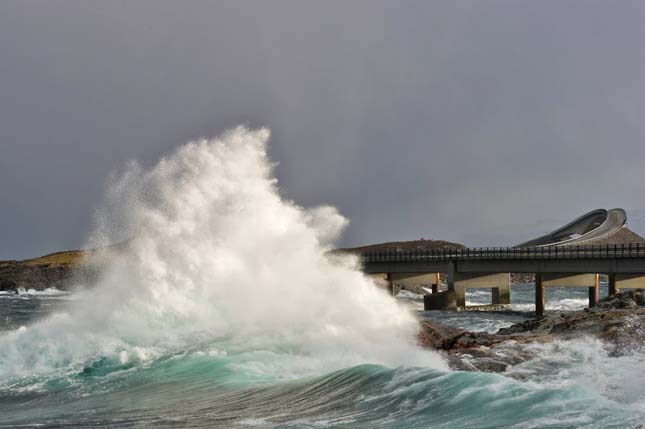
618 320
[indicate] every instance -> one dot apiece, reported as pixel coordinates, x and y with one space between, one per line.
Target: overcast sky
482 122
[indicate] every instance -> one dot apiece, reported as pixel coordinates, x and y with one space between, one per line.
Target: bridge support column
539 295
451 276
502 295
612 284
435 288
446 300
460 294
390 283
594 291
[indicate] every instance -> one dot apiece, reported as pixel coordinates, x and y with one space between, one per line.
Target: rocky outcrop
618 320
52 271
14 275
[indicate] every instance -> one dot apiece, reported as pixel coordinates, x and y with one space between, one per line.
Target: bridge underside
568 280
629 281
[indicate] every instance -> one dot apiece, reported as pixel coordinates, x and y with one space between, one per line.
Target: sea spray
213 257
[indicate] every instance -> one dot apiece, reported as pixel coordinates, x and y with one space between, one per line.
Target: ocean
222 308
225 383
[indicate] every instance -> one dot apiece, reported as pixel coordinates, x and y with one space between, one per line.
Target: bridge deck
574 259
478 253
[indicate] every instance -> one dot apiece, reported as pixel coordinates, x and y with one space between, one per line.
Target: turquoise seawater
222 383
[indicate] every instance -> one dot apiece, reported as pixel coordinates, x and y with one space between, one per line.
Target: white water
51 291
216 255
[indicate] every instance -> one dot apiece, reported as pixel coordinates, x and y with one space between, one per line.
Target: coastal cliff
51 271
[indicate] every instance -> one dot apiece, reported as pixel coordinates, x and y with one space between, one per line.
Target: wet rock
618 320
622 300
524 326
478 351
7 285
639 298
14 275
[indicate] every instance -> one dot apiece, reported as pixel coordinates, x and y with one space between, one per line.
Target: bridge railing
610 251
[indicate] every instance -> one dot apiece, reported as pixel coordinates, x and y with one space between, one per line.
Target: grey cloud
481 122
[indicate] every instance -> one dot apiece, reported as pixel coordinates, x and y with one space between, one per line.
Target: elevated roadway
565 257
586 229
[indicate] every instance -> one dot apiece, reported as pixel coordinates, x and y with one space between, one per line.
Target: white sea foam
589 364
45 292
565 304
214 251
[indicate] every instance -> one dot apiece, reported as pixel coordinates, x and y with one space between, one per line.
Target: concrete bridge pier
593 297
390 283
611 284
539 295
500 283
594 291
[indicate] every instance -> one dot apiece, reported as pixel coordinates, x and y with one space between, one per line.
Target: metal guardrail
610 251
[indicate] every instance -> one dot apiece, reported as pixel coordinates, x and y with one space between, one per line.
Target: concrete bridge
490 267
574 255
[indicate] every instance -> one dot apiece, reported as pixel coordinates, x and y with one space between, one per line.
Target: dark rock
7 284
639 298
621 300
618 320
14 275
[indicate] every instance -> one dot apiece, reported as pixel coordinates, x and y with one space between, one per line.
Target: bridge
563 258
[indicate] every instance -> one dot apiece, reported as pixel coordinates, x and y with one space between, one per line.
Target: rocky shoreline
619 321
59 270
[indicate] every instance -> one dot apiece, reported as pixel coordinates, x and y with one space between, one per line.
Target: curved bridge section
592 226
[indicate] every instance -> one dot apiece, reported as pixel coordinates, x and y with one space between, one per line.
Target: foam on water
51 291
22 292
